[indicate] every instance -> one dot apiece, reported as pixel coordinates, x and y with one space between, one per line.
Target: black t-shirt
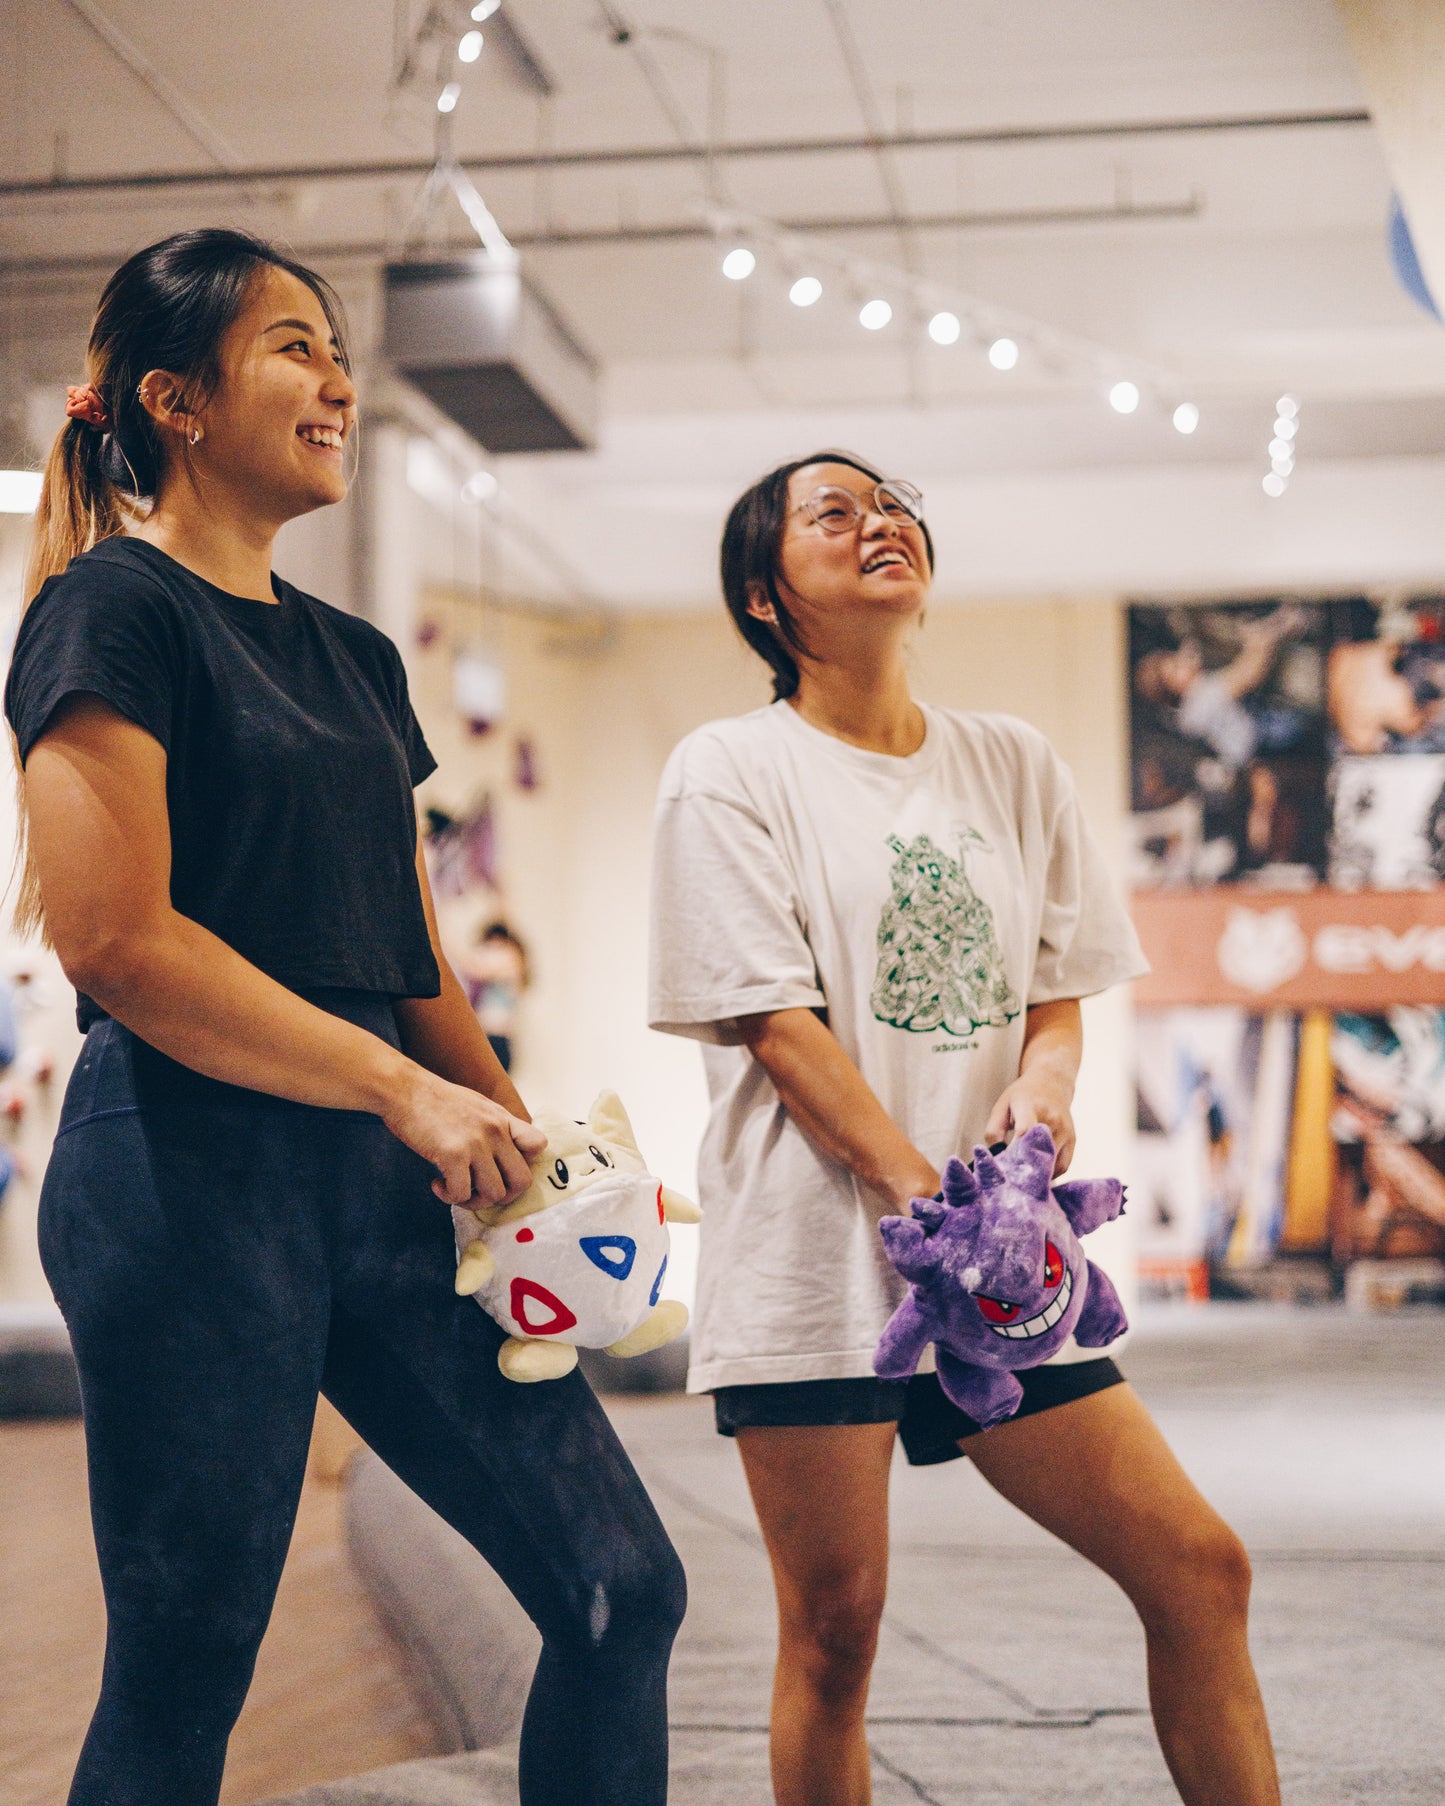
291 753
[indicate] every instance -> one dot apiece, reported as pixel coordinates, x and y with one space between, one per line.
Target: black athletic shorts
930 1425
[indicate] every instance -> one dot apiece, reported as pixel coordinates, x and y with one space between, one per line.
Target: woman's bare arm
100 835
442 1033
1048 1071
830 1100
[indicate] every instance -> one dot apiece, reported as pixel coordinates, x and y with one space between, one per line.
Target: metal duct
491 353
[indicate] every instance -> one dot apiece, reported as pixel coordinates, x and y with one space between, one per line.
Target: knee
637 1607
1204 1583
831 1635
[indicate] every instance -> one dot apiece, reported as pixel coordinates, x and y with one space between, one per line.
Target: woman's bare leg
1098 1474
821 1495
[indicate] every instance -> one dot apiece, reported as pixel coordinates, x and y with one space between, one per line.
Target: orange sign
1330 949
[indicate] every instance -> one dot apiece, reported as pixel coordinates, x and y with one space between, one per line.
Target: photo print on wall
1228 743
1288 853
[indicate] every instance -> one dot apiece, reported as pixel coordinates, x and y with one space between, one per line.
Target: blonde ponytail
79 506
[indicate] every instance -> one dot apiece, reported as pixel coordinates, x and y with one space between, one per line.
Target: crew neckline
864 757
148 549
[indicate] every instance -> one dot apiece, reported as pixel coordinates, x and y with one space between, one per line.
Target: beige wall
576 851
576 854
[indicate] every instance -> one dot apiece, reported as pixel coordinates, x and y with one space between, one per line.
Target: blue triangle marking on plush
652 1296
613 1253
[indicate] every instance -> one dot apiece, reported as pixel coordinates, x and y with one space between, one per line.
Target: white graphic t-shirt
924 903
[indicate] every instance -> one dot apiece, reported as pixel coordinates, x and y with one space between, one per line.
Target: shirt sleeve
420 763
99 631
727 927
1086 939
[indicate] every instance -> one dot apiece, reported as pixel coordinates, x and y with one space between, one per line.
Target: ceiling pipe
141 181
677 231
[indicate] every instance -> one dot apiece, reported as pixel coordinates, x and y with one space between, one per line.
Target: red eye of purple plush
994 1310
1053 1265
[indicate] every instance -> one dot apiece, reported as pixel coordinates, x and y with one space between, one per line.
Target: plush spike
928 1211
1001 1285
960 1187
987 1170
1030 1160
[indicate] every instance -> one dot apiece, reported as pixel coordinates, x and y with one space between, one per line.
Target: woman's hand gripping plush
1044 1090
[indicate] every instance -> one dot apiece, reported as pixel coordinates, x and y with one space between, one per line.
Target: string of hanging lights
1281 447
1008 340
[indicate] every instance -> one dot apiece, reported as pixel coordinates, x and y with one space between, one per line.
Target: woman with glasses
879 917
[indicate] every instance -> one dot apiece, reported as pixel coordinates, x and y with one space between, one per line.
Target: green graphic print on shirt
939 963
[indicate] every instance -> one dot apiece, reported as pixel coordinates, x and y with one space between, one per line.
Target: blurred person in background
496 973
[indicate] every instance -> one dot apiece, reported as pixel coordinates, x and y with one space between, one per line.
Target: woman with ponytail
282 1086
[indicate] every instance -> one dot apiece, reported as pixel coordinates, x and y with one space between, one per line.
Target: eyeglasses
838 510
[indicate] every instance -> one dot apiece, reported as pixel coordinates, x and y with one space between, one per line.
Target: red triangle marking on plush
660 1217
524 1290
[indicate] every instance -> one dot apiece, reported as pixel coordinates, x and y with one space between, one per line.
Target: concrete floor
1012 1673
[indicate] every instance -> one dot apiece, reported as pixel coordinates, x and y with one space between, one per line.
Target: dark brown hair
751 542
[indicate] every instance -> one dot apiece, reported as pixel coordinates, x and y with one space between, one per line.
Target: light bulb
805 291
875 315
1285 426
1186 417
480 487
1003 354
739 264
449 97
484 9
1273 484
1288 406
470 47
1124 397
944 328
1281 448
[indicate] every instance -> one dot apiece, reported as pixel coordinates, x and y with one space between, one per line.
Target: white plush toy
577 1261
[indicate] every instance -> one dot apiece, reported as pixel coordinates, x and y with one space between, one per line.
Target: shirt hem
762 1370
766 1370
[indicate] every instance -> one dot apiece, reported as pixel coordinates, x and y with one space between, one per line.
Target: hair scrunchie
82 402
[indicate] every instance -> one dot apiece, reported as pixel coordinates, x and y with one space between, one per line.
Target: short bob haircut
751 543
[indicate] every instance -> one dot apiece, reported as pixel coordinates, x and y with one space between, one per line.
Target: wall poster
1288 866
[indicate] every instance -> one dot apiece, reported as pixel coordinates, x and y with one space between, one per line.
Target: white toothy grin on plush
327 436
1046 1319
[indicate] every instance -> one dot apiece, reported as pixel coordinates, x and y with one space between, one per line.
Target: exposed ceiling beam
192 121
605 156
670 231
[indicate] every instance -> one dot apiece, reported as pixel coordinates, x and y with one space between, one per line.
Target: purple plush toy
998 1279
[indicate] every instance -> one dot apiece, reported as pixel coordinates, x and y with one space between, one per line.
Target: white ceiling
1253 261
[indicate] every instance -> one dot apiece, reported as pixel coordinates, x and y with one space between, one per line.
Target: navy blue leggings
220 1256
